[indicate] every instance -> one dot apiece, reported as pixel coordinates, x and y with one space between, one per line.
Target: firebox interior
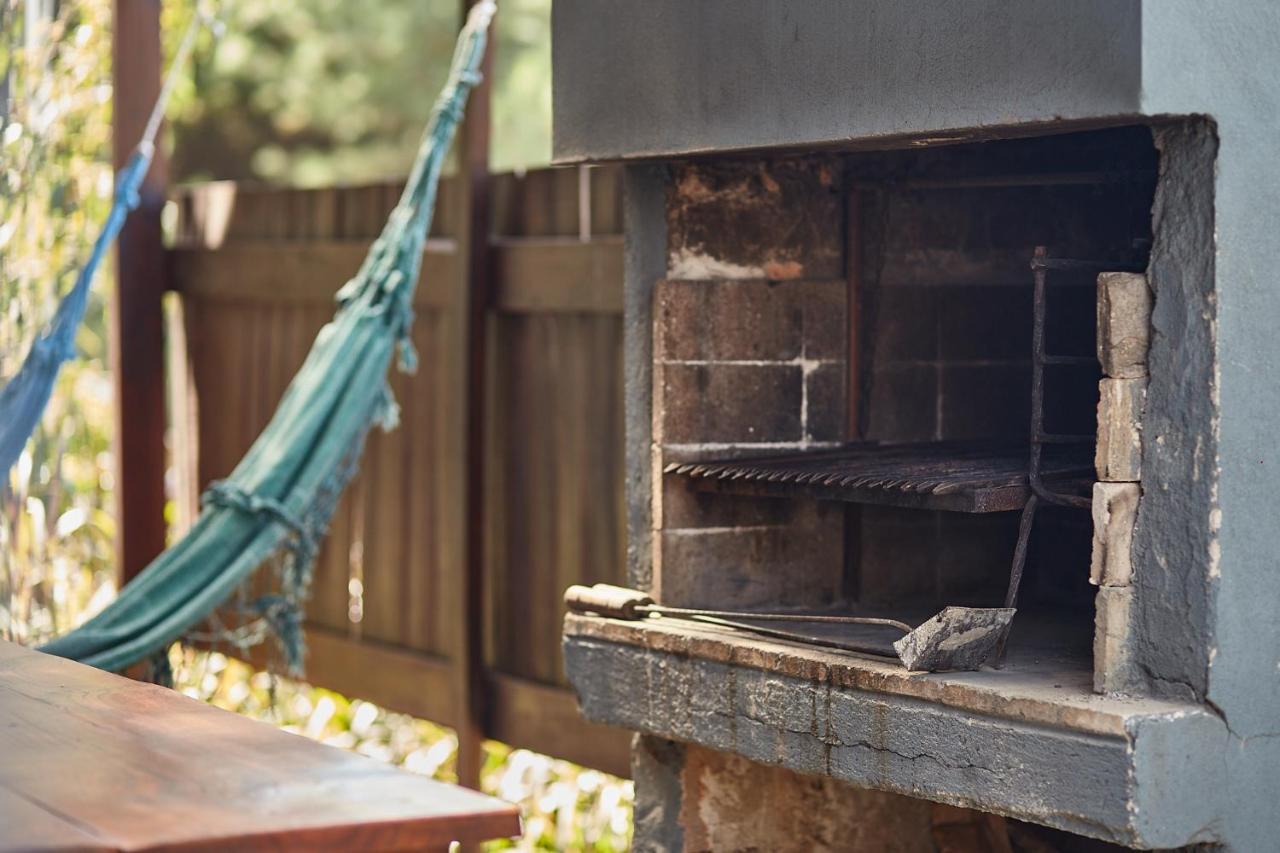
938 375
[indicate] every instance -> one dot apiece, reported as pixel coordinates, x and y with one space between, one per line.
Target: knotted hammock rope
275 507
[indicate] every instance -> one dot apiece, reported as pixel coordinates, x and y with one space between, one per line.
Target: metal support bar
1042 261
1058 438
1016 570
1070 359
1040 265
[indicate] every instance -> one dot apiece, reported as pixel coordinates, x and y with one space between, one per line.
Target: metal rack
1041 266
967 477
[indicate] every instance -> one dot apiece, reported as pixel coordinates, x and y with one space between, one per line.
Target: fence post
476 297
137 322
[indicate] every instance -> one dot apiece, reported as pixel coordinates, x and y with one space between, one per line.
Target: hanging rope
24 397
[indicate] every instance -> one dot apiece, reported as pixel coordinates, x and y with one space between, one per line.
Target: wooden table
93 761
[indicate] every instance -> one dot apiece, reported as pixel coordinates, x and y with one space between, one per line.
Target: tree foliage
313 92
56 527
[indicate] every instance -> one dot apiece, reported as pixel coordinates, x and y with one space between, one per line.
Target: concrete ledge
1083 763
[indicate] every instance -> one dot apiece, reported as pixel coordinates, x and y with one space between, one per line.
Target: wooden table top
94 761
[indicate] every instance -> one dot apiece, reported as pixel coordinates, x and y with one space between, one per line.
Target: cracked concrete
1171 540
899 744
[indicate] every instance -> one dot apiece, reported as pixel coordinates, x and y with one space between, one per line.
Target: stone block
904 403
779 703
728 403
1112 646
1115 509
824 307
1124 324
984 322
684 506
985 401
825 411
1119 451
906 324
799 565
897 555
656 766
731 803
728 321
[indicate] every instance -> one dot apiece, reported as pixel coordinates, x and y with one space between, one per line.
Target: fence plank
558 275
606 200
257 270
297 272
556 516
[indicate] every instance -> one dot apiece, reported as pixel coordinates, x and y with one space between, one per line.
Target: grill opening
928 477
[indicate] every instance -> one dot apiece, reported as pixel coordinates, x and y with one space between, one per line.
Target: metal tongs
957 638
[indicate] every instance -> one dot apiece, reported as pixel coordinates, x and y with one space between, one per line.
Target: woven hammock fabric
278 501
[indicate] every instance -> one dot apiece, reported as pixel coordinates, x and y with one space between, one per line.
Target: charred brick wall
749 357
945 339
751 337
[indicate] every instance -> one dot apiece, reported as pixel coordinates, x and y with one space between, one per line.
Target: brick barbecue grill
936 305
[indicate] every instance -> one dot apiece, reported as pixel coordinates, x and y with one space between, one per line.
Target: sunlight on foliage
56 514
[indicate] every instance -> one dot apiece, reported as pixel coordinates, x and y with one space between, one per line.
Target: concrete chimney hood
1183 746
667 78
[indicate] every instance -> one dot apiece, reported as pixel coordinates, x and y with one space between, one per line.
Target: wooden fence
390 620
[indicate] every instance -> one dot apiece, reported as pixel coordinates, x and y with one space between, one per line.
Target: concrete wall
670 77
1147 773
645 233
1217 59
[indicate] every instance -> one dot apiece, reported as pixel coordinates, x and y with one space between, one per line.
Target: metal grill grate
960 477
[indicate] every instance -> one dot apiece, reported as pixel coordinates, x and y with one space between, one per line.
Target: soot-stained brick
778 219
725 403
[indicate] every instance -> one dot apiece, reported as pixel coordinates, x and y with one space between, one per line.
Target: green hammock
278 501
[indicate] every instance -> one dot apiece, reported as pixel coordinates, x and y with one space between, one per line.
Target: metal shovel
957 638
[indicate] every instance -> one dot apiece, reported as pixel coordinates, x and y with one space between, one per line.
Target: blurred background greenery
318 92
295 92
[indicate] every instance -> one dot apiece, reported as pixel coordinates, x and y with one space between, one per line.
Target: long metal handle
622 603
1040 264
826 642
694 613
